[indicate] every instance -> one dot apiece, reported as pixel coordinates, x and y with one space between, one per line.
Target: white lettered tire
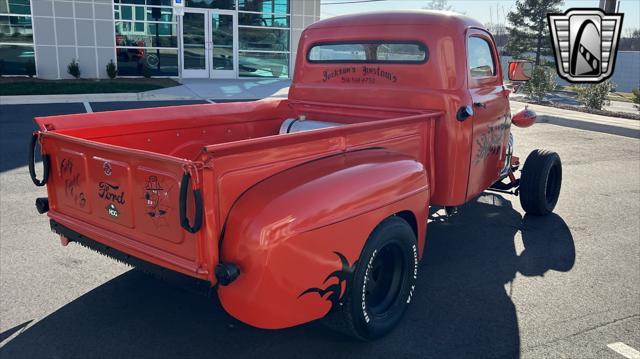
382 285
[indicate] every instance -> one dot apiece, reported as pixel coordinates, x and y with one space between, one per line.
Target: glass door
223 43
195 44
209 43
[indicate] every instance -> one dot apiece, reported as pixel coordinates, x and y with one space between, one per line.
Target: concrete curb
591 126
561 117
581 120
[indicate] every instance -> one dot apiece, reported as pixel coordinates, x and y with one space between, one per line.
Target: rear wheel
540 182
382 283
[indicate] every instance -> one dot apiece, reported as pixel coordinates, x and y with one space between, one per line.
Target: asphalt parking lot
494 282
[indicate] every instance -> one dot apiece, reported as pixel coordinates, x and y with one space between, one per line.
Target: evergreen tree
528 30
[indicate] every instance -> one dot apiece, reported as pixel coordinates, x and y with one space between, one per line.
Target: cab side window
480 58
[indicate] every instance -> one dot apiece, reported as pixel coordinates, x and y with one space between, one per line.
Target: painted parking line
87 107
624 350
10 334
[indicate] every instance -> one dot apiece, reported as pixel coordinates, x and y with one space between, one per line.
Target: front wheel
382 284
540 182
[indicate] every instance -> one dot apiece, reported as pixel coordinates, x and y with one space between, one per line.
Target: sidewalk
227 89
191 89
252 89
581 120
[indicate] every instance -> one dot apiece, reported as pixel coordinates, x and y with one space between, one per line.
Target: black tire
372 308
540 182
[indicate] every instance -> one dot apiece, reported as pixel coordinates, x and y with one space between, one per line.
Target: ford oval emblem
106 167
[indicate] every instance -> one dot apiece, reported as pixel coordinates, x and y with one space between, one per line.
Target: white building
214 38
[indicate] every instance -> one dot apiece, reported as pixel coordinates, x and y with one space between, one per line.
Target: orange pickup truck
313 206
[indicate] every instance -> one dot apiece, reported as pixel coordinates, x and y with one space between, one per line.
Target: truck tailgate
124 198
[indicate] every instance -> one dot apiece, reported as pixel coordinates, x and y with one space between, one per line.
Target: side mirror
520 70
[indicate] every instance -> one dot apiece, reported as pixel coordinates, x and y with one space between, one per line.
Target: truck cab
311 207
417 61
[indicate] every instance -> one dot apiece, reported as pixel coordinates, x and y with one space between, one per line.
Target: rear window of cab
403 52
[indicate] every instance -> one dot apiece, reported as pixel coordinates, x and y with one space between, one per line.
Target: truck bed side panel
241 165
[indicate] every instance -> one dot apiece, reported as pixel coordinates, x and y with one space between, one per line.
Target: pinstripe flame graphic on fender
335 290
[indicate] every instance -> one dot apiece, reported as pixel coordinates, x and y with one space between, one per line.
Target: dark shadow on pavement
461 309
16 126
125 105
9 332
592 126
224 100
470 264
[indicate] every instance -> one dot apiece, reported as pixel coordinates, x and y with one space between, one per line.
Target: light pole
609 6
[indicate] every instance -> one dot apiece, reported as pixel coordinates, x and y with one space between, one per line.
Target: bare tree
630 41
439 5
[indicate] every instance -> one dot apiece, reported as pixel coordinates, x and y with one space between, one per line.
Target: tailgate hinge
193 169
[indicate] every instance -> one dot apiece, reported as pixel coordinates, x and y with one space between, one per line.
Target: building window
266 6
272 40
263 38
146 38
16 37
212 4
264 64
267 20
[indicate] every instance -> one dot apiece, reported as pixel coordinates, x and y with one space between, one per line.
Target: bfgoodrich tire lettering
382 283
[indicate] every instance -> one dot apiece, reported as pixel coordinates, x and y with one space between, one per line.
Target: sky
482 10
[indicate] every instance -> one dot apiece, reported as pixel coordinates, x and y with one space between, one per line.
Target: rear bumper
115 247
168 275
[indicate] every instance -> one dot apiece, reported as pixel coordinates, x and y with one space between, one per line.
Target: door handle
480 104
464 113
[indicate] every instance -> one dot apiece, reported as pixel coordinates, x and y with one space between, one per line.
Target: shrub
74 69
543 81
595 95
636 97
112 70
30 67
146 71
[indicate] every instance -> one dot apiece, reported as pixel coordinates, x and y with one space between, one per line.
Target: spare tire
540 182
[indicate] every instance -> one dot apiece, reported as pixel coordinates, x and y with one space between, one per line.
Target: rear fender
291 232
